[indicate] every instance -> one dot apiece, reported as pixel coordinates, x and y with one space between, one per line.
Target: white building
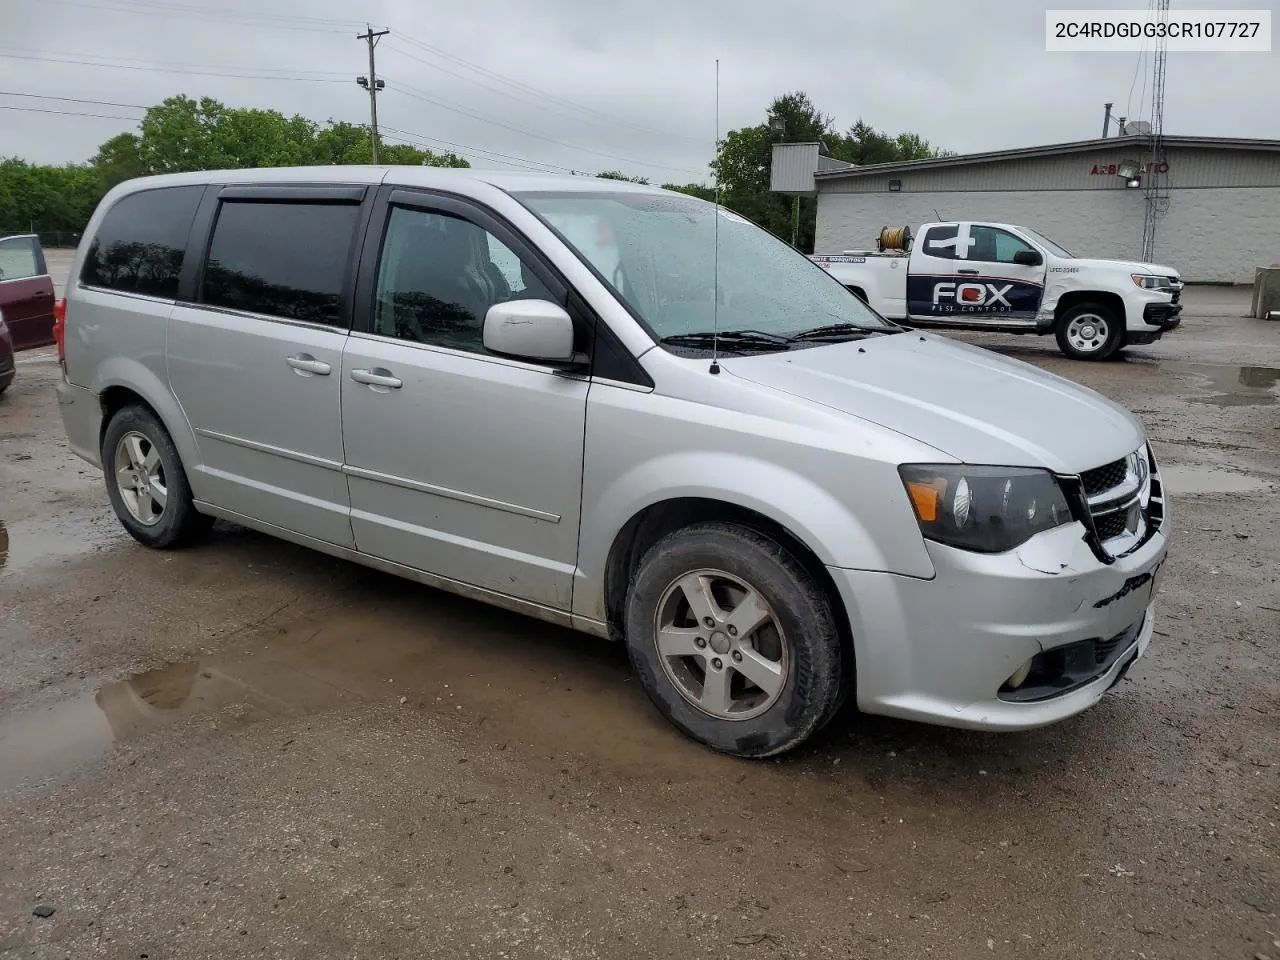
1219 202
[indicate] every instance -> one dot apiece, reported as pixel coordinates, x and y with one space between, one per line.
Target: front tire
733 640
1090 331
146 483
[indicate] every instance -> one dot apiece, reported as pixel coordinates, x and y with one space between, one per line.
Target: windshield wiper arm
842 331
732 338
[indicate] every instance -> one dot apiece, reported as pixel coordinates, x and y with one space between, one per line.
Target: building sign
1111 169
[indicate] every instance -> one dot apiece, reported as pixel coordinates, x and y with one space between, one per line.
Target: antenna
715 285
936 214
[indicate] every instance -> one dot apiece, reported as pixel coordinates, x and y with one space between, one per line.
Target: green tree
619 175
699 190
744 158
117 160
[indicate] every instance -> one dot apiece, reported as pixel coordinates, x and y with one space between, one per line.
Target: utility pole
372 83
1156 181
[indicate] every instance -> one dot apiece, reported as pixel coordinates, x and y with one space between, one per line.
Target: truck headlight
1149 281
983 509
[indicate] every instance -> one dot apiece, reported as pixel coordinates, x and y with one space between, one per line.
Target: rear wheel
146 483
1090 331
733 640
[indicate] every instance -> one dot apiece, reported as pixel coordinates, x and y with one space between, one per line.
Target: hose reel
894 238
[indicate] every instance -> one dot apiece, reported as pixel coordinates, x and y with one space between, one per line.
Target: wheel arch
653 522
128 382
1074 298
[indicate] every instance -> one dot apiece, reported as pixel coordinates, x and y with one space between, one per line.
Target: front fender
792 500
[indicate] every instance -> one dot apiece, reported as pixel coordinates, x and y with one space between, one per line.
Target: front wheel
1090 331
733 640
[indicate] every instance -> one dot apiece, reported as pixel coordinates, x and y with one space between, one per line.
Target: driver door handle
968 273
377 377
305 363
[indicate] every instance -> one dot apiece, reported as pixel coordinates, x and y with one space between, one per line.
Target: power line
45 96
165 68
482 150
68 113
501 78
343 22
427 98
410 142
204 16
606 123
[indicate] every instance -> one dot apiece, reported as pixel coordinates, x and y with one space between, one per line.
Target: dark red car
26 301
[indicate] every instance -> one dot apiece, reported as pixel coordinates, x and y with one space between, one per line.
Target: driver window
438 276
994 245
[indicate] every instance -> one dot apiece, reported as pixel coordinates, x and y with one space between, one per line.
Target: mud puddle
32 543
1235 386
519 680
1184 480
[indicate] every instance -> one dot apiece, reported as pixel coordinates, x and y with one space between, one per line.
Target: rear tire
1090 331
733 640
146 483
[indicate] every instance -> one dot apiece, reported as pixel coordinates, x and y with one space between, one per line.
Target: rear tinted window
139 246
282 259
941 242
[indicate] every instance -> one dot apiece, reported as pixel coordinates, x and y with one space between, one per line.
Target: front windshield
657 251
1045 241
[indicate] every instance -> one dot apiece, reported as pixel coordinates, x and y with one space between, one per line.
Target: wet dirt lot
247 749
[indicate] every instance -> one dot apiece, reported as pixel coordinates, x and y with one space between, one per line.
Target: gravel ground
247 749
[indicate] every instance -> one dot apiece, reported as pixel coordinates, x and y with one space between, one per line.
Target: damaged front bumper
942 650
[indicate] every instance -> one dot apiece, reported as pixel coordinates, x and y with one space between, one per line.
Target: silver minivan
622 410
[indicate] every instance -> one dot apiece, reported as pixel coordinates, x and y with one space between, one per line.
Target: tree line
182 134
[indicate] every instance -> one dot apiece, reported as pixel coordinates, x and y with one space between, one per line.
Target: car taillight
60 330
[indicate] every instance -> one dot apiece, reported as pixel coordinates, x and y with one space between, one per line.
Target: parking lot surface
249 749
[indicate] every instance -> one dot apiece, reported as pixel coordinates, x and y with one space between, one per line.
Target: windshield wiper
838 331
750 339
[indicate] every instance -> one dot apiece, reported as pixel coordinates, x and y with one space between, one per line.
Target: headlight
1149 282
983 509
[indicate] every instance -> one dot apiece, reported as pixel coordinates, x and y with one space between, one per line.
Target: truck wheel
733 640
1090 331
146 484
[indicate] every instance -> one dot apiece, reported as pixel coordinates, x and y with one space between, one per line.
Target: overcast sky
599 84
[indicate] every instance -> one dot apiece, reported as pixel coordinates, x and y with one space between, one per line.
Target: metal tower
1156 181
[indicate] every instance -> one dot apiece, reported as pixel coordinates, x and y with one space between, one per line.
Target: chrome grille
1125 502
1104 478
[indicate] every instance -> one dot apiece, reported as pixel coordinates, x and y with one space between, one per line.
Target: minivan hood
964 401
1128 266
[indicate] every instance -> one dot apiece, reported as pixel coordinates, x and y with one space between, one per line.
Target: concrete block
1266 292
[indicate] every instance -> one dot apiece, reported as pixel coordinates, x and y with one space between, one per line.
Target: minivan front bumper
943 650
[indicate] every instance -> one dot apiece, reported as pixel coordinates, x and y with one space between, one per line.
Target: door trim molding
561 618
473 498
270 448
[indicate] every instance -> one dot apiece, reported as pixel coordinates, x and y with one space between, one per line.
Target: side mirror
1028 258
530 330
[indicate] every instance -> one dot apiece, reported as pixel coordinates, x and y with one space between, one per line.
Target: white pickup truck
998 276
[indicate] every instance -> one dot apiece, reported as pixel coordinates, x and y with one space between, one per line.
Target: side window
140 243
993 245
20 259
281 259
438 276
940 242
